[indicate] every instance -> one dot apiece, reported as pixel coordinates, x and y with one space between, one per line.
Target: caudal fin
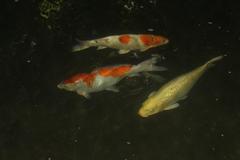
154 77
148 65
80 46
211 62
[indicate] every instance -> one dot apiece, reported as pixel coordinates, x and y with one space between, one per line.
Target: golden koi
168 95
124 43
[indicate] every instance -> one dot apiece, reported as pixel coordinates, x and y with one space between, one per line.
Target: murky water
38 121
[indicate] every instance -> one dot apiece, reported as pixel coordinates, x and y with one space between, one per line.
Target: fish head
153 40
149 108
66 86
80 79
76 82
61 85
159 40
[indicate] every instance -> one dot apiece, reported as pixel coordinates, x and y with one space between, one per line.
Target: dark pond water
40 122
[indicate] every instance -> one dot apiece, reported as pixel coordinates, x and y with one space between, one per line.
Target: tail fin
211 62
148 65
80 46
156 78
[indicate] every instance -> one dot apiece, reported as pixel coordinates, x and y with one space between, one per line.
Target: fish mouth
165 41
142 114
60 85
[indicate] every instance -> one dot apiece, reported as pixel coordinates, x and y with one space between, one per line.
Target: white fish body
168 95
113 42
105 78
124 43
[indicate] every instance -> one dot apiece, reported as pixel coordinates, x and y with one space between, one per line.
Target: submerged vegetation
49 10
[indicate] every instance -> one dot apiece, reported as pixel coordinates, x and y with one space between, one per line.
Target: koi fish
106 78
124 43
168 95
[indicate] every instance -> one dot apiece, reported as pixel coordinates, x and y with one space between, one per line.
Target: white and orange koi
124 43
106 78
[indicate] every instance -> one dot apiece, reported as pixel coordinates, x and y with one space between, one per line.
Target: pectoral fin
84 94
173 106
135 55
112 88
184 97
134 75
123 51
152 94
101 47
144 49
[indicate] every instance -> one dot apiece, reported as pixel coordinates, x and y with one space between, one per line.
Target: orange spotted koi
124 43
106 78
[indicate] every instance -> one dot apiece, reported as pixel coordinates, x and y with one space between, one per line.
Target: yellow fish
168 95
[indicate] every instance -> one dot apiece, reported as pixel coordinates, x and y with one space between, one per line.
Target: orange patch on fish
146 39
125 39
151 40
114 71
87 78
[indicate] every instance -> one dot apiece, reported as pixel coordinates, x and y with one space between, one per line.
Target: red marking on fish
151 40
114 71
125 39
86 78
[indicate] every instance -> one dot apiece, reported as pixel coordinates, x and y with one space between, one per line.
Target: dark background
40 122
